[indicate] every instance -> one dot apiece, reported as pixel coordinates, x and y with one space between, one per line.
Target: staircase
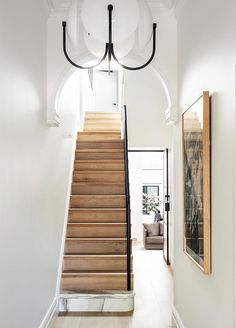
95 254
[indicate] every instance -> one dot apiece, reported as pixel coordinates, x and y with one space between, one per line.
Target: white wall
35 168
135 177
207 58
146 104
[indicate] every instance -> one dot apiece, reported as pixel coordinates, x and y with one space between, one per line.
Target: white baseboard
177 319
49 315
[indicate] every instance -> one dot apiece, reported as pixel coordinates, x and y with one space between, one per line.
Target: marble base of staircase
120 303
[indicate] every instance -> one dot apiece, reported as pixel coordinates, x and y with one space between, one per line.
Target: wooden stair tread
95 263
110 144
84 209
97 133
112 141
95 246
96 239
98 196
101 188
97 183
102 120
96 224
92 274
114 281
99 161
96 230
99 176
99 172
97 256
103 130
115 150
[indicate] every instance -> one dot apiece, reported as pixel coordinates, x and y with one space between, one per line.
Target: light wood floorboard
154 294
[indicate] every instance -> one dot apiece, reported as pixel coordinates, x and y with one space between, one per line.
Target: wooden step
105 123
98 188
94 281
95 246
112 144
102 128
102 114
106 165
99 136
98 201
96 215
96 230
93 154
99 176
102 120
95 263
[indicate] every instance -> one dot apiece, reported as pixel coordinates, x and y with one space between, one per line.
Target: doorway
106 91
150 197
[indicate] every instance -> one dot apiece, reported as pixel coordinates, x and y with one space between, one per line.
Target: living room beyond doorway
150 199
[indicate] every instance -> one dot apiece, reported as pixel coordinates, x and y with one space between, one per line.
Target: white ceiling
154 4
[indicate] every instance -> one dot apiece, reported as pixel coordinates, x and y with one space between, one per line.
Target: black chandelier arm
70 60
142 66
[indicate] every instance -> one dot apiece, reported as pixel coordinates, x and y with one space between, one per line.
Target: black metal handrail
127 191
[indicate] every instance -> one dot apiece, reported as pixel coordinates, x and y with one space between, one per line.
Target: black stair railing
127 192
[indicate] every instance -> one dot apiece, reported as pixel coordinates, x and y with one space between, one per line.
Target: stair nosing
103 141
96 239
100 150
98 183
94 273
98 208
97 223
95 255
99 196
98 171
100 161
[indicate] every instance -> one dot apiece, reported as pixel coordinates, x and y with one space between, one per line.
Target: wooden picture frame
196 133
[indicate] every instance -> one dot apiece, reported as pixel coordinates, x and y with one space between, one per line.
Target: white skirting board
177 318
49 315
104 302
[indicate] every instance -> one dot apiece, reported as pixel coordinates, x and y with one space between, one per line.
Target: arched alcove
54 93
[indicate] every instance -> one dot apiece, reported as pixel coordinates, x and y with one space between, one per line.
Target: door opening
106 90
150 198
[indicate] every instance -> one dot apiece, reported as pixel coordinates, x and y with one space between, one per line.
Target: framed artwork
150 197
196 125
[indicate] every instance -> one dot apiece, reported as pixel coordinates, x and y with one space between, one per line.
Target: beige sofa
153 235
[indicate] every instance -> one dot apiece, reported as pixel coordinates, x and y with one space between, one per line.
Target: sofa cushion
152 229
161 228
155 240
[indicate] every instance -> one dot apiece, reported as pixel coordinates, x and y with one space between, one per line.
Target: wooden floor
154 293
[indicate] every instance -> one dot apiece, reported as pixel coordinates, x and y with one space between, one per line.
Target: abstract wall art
196 125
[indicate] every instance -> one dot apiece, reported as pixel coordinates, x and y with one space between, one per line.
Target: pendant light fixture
116 32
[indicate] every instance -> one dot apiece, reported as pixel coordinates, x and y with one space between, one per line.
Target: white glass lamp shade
97 47
145 25
125 18
73 23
